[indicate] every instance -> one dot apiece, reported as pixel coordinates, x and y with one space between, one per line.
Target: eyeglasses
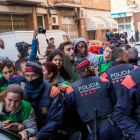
6 72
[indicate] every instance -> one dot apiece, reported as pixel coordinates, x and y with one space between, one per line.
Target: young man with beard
81 50
105 60
90 92
20 69
8 70
45 99
68 50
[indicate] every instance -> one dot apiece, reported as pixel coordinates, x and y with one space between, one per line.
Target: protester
13 106
133 56
20 69
50 72
127 109
51 43
33 53
81 50
8 70
119 69
105 60
68 50
45 99
2 57
88 93
125 46
57 57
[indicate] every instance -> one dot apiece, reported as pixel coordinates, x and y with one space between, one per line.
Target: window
120 20
121 27
39 21
127 19
13 22
54 19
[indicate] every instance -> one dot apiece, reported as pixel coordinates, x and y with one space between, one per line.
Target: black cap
33 67
82 62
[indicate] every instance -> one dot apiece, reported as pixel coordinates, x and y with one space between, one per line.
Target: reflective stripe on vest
91 93
116 75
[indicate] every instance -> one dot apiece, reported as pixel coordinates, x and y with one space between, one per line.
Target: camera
41 30
22 48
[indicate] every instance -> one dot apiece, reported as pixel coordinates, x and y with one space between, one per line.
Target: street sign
134 23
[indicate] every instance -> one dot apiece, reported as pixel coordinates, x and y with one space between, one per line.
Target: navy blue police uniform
127 110
116 74
47 102
88 93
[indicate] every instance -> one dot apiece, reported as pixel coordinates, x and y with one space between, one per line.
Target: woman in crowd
50 72
57 57
7 70
11 104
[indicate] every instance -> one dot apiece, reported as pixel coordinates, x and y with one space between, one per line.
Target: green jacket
4 87
0 75
103 67
74 74
25 112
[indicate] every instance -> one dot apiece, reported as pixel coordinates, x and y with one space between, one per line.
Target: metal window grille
12 22
71 31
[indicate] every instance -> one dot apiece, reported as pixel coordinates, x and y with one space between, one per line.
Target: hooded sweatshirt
94 61
16 79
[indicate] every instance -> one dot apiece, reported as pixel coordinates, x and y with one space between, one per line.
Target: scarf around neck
34 87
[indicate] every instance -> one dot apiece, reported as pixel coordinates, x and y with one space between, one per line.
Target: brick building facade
67 15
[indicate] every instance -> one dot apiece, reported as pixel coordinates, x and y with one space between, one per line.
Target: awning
93 23
110 23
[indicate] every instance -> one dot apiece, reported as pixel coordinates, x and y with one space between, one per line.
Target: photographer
24 49
33 53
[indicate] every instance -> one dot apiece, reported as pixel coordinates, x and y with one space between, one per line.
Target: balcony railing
68 1
25 1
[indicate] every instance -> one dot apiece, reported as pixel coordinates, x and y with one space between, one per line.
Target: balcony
68 3
25 1
131 4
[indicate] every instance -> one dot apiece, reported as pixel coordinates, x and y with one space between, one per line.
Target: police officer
112 39
128 106
117 36
45 99
89 92
119 69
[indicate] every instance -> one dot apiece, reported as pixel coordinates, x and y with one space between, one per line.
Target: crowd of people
57 99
